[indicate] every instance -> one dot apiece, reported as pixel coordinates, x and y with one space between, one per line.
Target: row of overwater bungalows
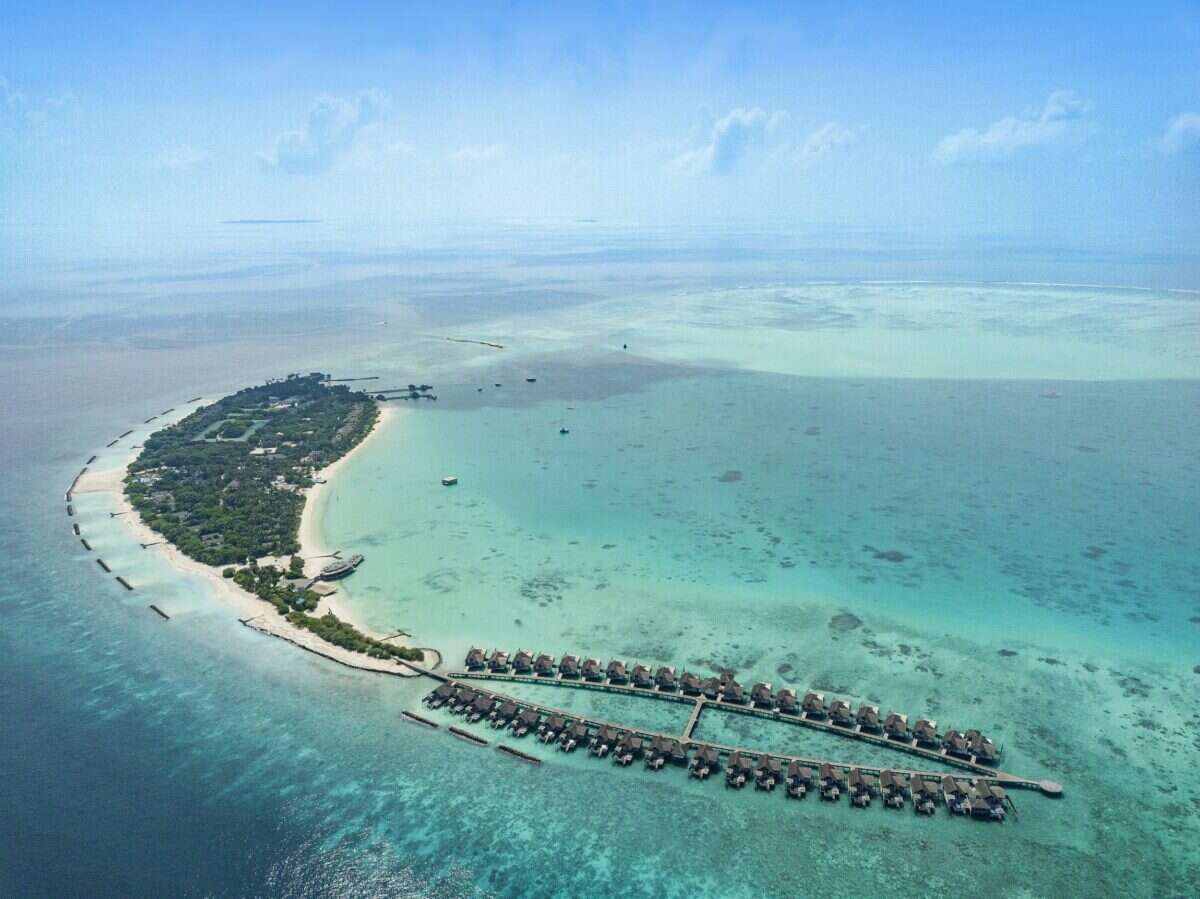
970 745
977 799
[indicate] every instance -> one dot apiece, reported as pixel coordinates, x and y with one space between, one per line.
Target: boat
450 480
564 431
340 568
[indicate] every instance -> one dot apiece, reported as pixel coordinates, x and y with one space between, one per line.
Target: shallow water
694 516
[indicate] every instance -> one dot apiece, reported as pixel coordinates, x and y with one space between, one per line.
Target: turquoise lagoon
823 486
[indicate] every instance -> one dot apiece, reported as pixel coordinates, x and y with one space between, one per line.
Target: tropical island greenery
224 484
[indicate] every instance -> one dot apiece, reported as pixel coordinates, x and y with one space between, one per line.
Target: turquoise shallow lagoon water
699 514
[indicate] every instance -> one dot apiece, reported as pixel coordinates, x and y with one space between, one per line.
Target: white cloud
1183 133
333 123
477 153
731 138
32 113
826 139
180 158
13 98
1013 134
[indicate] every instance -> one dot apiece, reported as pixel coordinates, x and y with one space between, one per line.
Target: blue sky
1076 123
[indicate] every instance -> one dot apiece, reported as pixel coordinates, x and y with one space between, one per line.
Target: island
227 485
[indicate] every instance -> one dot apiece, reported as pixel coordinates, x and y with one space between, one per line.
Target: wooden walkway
983 773
700 702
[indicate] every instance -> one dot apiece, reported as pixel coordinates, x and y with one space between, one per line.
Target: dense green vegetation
222 483
333 630
269 583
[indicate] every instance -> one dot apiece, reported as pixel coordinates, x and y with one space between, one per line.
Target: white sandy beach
250 609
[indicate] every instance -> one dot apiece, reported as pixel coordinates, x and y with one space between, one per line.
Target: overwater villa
767 772
480 708
861 787
575 734
983 749
733 692
616 672
440 696
664 678
525 722
868 718
604 741
785 701
814 705
522 662
462 700
954 794
839 713
665 750
628 749
544 666
710 687
593 670
642 677
924 796
689 684
987 802
499 661
893 787
832 780
925 733
550 729
798 780
569 666
896 727
739 770
503 714
706 761
956 744
760 695
476 660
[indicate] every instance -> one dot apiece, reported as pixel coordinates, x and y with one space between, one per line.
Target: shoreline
252 611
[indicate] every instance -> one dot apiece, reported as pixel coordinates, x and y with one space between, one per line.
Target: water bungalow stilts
955 743
462 700
628 749
983 749
893 787
924 795
604 742
503 714
551 729
616 672
861 786
832 780
896 727
689 684
814 706
499 662
544 666
732 692
739 770
925 733
480 708
786 702
705 762
569 667
442 694
664 678
710 688
476 660
525 722
574 735
954 794
798 780
839 713
641 677
761 697
987 801
593 670
522 662
868 718
768 772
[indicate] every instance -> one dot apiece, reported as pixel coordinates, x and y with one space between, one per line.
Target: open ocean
723 499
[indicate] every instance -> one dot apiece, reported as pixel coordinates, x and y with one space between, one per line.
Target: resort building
569 667
760 695
522 662
593 670
839 713
499 661
896 727
616 672
525 722
550 729
689 684
544 666
641 677
868 718
733 692
814 705
925 733
785 701
476 660
739 770
768 772
664 678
